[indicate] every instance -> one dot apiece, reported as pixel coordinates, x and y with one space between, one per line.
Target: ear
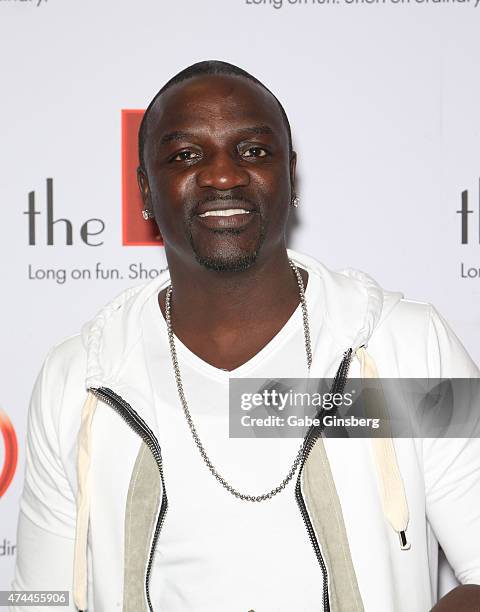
144 187
293 167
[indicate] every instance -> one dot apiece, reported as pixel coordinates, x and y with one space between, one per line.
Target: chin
226 260
223 264
224 254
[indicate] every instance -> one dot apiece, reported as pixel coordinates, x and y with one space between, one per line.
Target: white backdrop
383 99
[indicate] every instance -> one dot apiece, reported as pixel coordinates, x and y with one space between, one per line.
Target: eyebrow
257 129
181 135
177 135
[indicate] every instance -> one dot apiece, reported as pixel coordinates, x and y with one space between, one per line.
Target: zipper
135 422
312 436
138 425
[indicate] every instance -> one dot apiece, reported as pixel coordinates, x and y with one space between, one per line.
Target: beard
228 257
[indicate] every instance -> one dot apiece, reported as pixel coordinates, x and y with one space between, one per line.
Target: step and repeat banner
383 98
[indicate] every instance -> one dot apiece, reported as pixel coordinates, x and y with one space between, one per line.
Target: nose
222 172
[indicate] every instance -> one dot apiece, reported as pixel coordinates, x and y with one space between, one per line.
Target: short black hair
207 67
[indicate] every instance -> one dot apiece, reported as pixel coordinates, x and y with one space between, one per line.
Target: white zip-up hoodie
94 497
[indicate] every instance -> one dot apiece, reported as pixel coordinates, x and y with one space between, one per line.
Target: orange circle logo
11 452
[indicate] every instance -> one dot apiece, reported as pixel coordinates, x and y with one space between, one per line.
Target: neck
207 295
226 318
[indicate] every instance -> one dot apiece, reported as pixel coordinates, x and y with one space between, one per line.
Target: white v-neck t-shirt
217 553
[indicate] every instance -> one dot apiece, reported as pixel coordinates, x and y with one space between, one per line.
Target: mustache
221 197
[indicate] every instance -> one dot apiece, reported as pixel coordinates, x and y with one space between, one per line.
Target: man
140 500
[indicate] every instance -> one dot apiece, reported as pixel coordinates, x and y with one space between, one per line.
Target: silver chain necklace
188 416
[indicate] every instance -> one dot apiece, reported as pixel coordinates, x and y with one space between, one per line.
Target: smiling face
218 172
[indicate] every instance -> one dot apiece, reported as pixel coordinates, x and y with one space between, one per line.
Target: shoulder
405 314
66 355
103 337
59 390
422 340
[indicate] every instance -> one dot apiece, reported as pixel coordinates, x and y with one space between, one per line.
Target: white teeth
224 213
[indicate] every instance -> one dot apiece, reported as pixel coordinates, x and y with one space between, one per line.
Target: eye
255 152
185 156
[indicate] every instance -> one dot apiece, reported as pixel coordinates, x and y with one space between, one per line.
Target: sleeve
452 465
46 526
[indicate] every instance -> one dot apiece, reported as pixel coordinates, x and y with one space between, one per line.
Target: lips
228 212
223 204
225 214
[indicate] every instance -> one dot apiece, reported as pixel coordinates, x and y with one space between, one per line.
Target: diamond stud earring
295 201
147 214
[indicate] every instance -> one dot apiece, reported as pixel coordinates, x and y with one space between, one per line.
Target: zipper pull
404 545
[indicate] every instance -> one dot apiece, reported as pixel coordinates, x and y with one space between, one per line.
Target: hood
354 306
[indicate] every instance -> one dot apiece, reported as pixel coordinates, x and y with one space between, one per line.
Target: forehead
215 103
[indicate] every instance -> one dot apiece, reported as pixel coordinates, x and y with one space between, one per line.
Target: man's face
218 171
